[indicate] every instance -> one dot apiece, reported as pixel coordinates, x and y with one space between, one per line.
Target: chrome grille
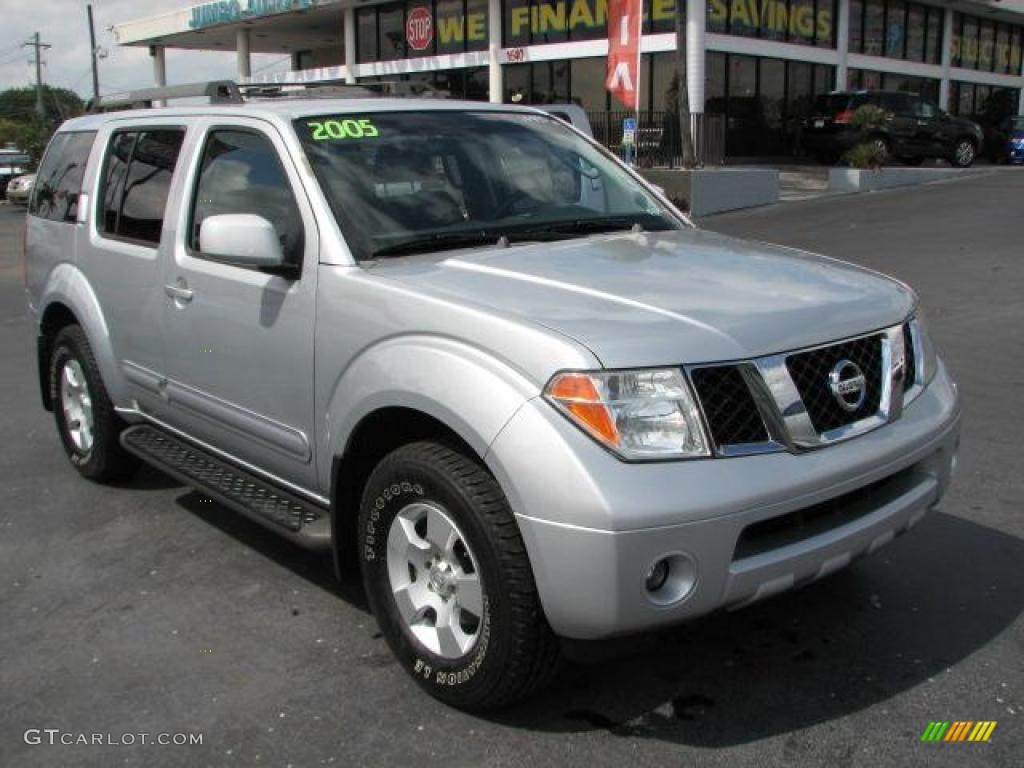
810 373
730 410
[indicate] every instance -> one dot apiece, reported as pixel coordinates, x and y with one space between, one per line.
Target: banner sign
227 11
625 18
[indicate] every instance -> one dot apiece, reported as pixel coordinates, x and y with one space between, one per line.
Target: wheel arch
376 435
68 299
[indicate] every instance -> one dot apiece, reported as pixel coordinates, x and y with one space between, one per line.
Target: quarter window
241 173
136 181
59 181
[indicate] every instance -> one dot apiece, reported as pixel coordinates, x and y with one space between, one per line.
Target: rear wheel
88 426
447 576
964 153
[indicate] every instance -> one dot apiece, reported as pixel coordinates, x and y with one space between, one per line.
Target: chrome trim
915 337
323 501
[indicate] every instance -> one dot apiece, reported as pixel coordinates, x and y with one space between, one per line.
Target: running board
281 511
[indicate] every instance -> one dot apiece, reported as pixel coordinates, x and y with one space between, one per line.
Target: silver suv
462 345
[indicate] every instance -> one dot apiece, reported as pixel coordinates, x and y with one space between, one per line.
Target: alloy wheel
76 403
435 580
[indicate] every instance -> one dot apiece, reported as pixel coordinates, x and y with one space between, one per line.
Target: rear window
136 181
59 181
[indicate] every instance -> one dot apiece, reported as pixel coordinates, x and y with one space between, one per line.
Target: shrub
864 156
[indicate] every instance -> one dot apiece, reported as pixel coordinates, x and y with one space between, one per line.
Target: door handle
179 292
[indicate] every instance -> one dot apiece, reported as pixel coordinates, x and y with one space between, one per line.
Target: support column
496 86
1020 99
349 28
159 70
696 55
242 51
843 45
947 58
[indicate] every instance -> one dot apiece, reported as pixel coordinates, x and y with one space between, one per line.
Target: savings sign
419 28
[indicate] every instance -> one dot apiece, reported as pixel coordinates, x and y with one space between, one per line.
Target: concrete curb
846 180
703 191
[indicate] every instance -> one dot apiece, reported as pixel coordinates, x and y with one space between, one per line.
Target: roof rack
229 92
217 91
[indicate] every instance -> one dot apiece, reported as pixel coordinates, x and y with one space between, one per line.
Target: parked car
13 163
20 189
479 357
914 130
1011 144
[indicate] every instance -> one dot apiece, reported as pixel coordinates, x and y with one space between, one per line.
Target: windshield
407 182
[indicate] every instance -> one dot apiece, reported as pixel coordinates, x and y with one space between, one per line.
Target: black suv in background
914 130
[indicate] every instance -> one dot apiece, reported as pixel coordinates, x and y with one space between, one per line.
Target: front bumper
593 525
18 196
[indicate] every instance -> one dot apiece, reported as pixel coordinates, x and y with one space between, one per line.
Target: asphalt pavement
143 609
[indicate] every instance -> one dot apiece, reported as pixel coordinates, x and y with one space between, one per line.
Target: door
239 340
900 124
122 256
928 120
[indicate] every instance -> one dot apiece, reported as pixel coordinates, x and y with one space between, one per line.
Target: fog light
657 576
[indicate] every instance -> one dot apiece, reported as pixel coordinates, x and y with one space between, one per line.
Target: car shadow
889 623
315 567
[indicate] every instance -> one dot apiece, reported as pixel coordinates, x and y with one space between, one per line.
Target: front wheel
964 153
88 426
448 579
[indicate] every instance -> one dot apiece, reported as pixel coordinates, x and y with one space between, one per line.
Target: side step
283 512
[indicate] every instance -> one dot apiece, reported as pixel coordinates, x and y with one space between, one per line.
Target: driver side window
240 172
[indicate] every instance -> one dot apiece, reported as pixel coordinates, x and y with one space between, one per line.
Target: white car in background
19 190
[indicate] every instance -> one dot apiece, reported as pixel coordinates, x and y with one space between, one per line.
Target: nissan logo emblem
848 386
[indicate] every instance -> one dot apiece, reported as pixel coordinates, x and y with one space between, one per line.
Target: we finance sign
589 18
226 11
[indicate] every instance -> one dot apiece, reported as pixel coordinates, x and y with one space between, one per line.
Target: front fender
68 286
470 391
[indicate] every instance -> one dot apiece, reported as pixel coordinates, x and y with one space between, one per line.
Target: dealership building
757 63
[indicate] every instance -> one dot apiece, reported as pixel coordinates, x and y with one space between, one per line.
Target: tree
689 159
59 104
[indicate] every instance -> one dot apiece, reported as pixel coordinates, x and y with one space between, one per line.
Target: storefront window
366 35
549 21
916 15
874 27
449 26
985 45
933 36
475 25
391 32
895 28
586 83
856 26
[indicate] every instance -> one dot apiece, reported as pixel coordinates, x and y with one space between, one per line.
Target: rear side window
136 181
59 180
241 173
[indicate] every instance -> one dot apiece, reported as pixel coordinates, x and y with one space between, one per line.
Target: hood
646 299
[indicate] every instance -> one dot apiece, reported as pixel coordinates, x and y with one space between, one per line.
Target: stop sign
419 28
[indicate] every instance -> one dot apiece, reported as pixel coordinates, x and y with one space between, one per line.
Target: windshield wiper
438 241
572 227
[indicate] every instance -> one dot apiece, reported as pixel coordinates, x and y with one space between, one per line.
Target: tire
428 490
964 153
78 395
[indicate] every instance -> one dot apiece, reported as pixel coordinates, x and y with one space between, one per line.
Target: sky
63 24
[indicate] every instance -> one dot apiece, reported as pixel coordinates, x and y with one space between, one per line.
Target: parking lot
143 608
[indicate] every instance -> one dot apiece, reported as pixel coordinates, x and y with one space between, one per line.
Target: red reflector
843 118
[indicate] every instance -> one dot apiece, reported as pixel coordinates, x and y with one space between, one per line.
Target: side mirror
241 238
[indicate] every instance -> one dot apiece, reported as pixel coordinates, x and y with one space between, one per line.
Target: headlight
925 358
643 414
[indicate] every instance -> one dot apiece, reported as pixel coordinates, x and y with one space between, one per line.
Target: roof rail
341 89
217 91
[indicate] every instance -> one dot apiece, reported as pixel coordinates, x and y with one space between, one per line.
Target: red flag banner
624 20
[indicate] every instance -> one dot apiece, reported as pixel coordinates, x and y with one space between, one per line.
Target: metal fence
657 137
